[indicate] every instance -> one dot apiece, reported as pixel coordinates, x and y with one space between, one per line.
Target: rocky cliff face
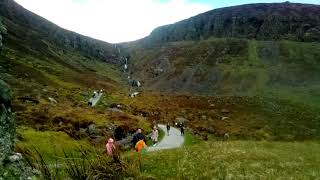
298 22
3 31
11 165
21 23
7 126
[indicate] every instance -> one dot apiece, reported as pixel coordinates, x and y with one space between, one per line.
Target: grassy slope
37 68
232 67
236 160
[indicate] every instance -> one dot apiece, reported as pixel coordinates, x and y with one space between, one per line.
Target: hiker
181 129
137 137
90 102
110 147
140 146
154 135
168 128
94 94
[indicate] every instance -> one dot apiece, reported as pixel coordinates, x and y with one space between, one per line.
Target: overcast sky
124 20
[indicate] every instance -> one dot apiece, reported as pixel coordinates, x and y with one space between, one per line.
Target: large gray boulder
11 164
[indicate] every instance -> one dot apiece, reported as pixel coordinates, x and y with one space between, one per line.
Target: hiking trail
96 99
174 140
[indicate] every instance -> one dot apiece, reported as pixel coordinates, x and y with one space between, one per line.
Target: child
110 147
154 135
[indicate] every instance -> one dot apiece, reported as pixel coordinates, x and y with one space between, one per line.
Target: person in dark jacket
181 129
168 128
137 137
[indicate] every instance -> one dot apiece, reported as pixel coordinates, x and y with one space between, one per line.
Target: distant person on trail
181 129
168 128
154 135
94 94
90 102
110 147
137 137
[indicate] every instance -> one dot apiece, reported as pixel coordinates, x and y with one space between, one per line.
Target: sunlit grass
236 160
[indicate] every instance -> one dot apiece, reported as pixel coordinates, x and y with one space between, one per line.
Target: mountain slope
53 72
268 87
290 21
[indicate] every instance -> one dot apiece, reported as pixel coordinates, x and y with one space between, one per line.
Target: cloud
114 20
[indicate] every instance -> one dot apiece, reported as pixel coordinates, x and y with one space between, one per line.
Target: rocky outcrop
290 21
3 31
11 164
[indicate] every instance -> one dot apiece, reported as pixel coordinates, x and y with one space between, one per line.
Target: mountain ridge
263 21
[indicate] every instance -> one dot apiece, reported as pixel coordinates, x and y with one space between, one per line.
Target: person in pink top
110 147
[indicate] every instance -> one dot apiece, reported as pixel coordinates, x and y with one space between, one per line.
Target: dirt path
173 140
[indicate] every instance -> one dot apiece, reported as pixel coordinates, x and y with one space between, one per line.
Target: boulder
225 111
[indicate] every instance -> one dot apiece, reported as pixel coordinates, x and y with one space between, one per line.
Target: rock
224 118
134 94
52 100
15 157
114 110
83 132
225 111
92 129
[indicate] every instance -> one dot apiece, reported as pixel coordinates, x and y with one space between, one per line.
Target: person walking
94 94
181 129
168 128
154 135
137 137
110 147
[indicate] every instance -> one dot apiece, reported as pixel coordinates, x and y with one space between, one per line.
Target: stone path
174 140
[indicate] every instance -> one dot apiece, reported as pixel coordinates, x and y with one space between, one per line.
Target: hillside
265 21
265 82
52 73
237 75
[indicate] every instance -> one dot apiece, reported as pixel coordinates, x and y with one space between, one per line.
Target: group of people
139 140
180 125
94 95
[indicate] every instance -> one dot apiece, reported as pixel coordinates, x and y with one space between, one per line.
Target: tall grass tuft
82 165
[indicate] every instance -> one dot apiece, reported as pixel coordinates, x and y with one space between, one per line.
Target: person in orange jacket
140 145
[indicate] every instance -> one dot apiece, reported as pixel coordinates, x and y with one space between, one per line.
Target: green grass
50 144
236 160
190 139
